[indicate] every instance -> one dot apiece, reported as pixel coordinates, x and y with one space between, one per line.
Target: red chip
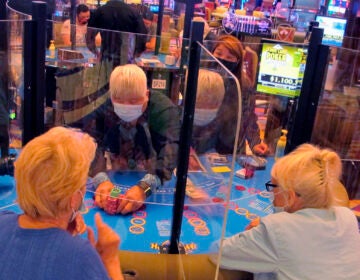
186 207
240 188
217 199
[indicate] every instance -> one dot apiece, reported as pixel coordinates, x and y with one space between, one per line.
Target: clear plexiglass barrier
128 91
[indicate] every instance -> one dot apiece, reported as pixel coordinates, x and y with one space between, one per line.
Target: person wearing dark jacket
115 20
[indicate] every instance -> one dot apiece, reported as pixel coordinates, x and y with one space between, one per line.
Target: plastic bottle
52 49
280 146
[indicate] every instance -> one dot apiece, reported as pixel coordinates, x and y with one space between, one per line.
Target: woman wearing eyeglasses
42 242
307 237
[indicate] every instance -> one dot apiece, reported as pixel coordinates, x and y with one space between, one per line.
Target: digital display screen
306 4
58 13
334 29
304 19
337 7
154 8
281 68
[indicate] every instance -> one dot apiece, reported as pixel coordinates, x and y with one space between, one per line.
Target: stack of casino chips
112 201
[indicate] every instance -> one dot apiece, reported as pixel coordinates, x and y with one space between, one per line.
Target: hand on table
261 149
102 192
107 246
132 201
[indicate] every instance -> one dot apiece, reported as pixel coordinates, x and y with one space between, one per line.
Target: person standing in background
82 18
150 25
112 20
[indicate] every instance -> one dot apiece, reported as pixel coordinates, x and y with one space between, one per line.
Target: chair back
285 33
250 63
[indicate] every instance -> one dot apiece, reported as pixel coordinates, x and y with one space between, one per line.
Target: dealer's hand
132 201
261 149
102 192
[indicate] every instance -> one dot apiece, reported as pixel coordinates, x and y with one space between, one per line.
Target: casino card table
149 229
145 234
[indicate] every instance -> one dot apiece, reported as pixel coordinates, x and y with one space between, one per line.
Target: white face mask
128 112
278 209
203 117
81 208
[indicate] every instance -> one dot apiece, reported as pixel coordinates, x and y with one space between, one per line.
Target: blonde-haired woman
51 174
308 237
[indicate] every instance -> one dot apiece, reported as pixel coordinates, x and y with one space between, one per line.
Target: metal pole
197 31
73 24
5 94
159 26
189 12
303 123
34 72
28 121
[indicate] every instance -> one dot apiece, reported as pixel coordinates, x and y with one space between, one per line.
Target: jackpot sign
281 69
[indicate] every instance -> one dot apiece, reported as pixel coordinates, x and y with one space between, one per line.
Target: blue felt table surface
149 229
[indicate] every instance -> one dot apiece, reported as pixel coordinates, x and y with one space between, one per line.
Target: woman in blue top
51 174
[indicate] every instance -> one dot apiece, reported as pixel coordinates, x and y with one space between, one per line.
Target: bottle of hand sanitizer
52 49
280 147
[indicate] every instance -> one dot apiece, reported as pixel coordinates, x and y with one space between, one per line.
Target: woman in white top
308 237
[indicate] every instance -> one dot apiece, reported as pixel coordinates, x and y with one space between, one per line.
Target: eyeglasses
270 186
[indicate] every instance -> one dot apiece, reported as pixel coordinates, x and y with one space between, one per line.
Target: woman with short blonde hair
312 173
43 243
307 237
65 155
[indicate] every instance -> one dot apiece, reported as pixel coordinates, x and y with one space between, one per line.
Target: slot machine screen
281 68
334 29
